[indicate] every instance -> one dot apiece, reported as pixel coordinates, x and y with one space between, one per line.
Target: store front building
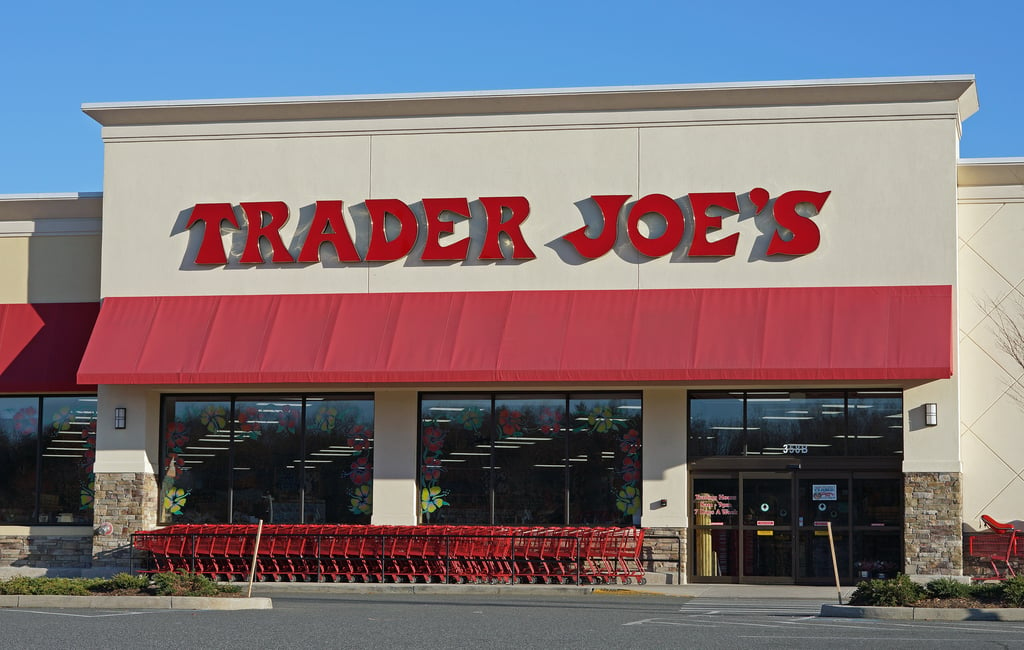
727 314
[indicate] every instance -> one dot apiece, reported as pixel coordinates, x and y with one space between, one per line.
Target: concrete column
664 459
395 424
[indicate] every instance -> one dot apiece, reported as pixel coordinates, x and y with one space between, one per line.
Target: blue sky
55 56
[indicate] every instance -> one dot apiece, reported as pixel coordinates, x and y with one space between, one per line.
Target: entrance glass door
767 528
821 502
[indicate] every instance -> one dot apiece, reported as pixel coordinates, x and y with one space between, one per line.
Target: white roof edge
51 196
537 92
991 161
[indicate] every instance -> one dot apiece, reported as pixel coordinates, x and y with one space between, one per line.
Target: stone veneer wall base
128 502
933 532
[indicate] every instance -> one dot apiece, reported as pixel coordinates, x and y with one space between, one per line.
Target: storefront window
795 423
47 477
875 423
241 460
543 459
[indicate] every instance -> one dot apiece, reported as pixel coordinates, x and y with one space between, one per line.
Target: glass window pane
716 424
878 502
196 461
68 452
876 555
265 470
19 438
716 501
604 461
339 460
529 461
455 457
796 423
876 423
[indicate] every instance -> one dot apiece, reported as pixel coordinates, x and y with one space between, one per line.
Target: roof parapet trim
959 88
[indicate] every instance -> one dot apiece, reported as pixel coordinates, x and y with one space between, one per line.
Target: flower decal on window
433 439
549 421
62 419
25 421
288 418
630 443
628 500
432 499
362 500
174 500
359 438
431 469
248 423
87 494
600 419
326 419
510 423
471 419
630 470
214 417
361 472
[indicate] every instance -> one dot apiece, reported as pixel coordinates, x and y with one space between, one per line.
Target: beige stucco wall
890 169
991 236
50 248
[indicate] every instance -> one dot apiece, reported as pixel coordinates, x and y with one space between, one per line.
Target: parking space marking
33 611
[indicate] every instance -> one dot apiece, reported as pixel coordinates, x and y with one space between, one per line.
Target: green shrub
127 582
189 584
22 585
898 592
948 588
988 592
1013 591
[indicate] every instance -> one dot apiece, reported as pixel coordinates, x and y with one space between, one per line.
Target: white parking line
33 611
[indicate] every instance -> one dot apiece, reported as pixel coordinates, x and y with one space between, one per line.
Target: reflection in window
787 422
544 459
47 450
239 460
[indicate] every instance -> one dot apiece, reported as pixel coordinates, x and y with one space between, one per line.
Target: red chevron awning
672 335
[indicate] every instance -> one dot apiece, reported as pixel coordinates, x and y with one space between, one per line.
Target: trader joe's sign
503 216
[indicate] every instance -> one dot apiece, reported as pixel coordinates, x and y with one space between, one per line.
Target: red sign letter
211 250
520 209
674 222
594 247
278 212
806 236
382 249
703 224
432 248
328 213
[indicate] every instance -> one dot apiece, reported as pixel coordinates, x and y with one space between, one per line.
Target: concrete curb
134 602
923 613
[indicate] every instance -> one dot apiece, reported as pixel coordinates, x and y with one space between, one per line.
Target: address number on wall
794 449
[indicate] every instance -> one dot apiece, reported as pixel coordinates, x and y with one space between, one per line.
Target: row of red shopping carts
353 553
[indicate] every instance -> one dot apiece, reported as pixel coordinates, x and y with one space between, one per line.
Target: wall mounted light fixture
931 414
120 417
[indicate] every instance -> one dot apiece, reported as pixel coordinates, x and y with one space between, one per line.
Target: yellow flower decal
600 419
326 418
628 500
174 500
432 499
62 419
362 500
214 418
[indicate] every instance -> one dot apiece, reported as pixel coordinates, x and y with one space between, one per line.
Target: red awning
42 344
791 334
